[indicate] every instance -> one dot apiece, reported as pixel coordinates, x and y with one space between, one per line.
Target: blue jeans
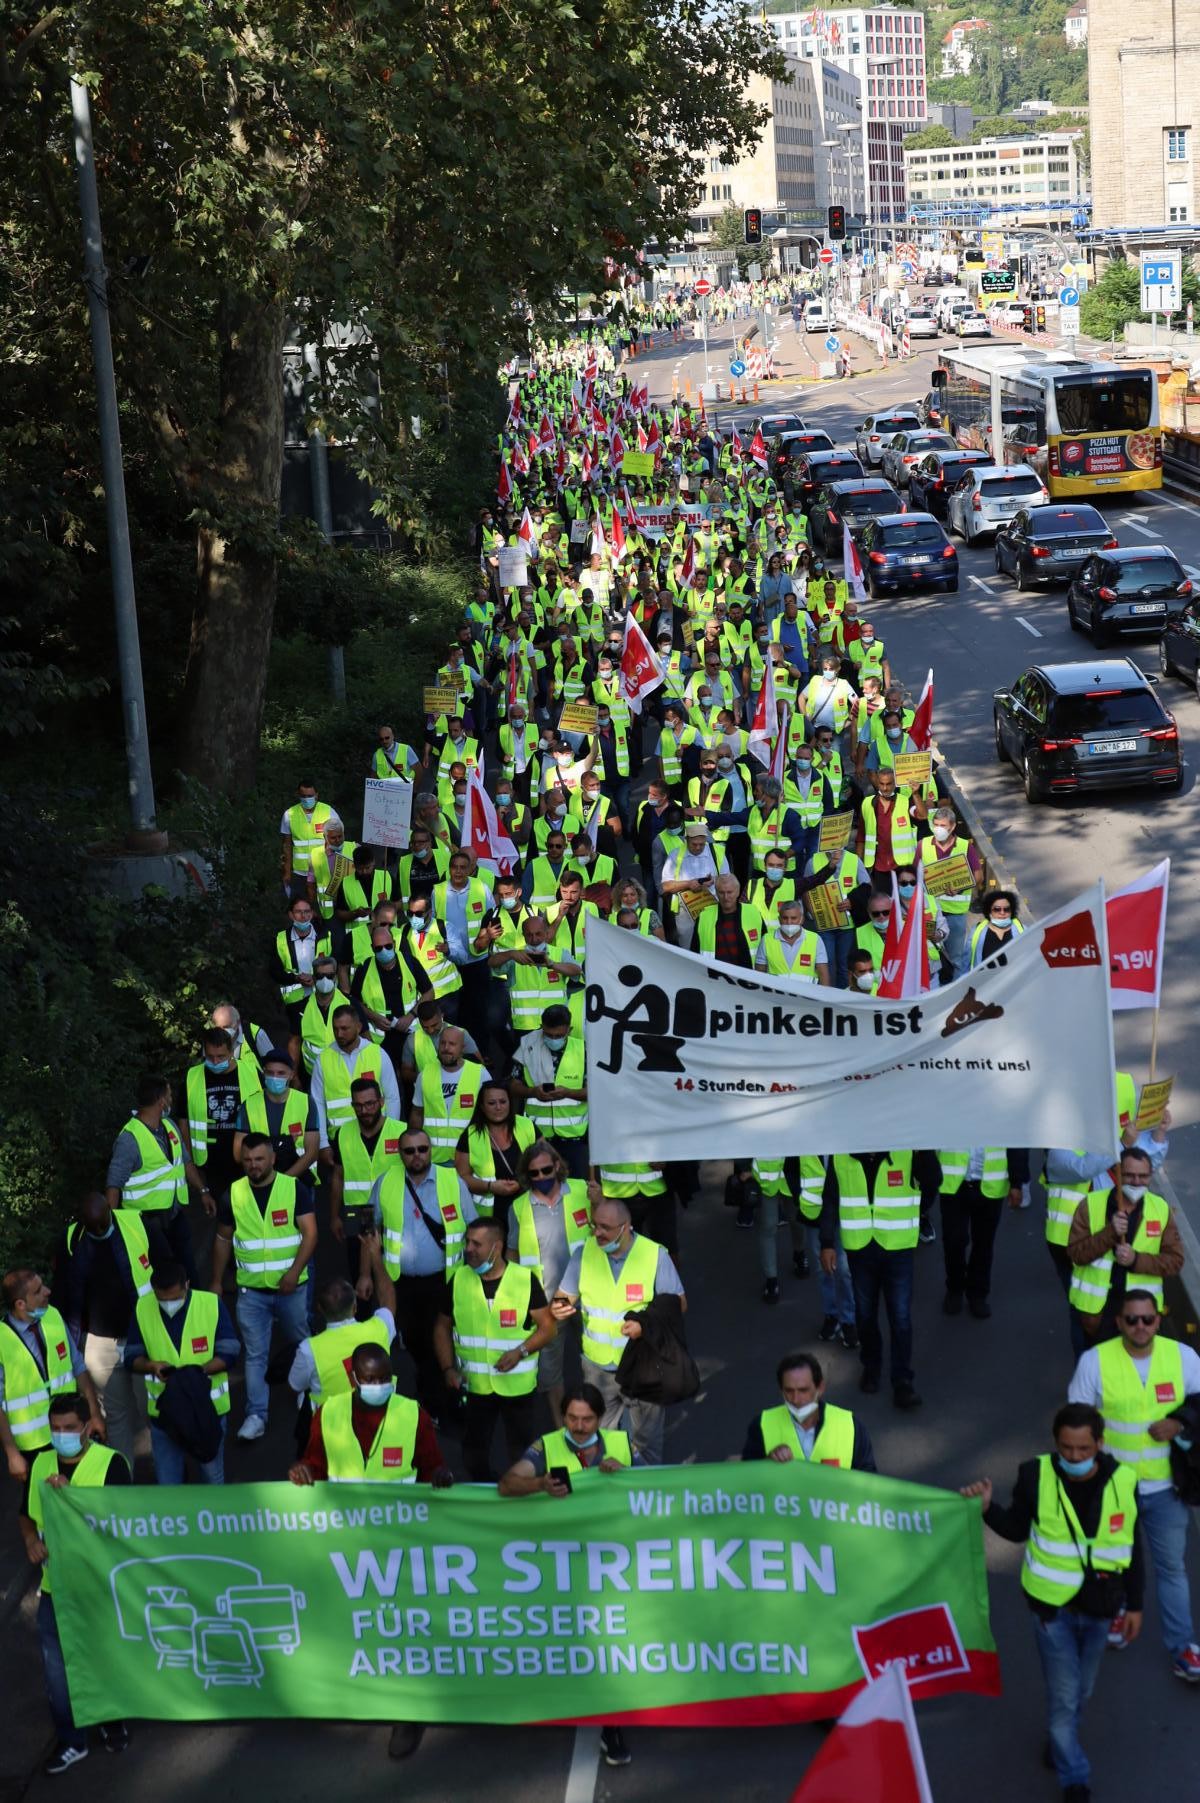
170 1460
954 947
257 1312
1165 1520
54 1667
888 1276
838 946
837 1292
772 1210
1070 1647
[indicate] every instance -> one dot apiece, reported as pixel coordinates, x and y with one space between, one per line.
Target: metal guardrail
1181 460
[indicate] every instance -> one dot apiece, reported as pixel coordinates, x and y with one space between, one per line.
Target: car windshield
1104 403
1125 710
1007 488
1147 572
903 533
1064 522
865 500
807 441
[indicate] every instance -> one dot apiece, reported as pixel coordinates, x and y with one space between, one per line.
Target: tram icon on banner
211 1616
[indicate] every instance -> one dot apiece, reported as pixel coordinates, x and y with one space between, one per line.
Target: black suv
851 503
1096 725
930 481
1127 590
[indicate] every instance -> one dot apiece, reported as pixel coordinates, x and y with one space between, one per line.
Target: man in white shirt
692 871
348 1043
1167 1374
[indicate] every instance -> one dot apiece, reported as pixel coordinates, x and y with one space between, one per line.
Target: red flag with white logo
921 730
758 449
905 967
482 832
853 562
643 441
586 465
1137 924
526 533
640 672
687 568
873 1753
630 509
677 425
618 536
504 482
546 439
520 460
736 444
616 447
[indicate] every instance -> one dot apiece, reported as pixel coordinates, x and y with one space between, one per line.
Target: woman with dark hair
490 1149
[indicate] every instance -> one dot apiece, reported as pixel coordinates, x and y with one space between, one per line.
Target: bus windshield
1104 403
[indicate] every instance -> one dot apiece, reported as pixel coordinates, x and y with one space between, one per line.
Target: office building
1143 83
1024 180
780 174
883 47
955 115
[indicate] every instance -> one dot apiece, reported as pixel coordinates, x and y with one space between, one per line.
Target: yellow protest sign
342 868
912 768
948 876
1152 1103
825 905
637 463
442 700
697 901
577 716
835 832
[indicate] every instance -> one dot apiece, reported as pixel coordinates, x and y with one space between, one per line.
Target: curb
996 874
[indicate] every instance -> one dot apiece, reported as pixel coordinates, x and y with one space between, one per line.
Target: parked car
921 323
987 496
775 425
878 428
852 503
1179 646
932 478
811 472
907 448
1007 313
907 550
789 447
1128 590
972 325
1041 544
1095 725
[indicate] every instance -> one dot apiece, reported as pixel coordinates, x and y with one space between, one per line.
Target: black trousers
517 1415
969 1223
418 1305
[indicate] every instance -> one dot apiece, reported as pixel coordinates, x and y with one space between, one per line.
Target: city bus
1085 427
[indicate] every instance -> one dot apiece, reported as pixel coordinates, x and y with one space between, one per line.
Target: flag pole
1154 1043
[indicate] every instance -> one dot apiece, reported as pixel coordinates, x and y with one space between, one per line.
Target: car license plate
1148 607
916 560
1110 745
1004 506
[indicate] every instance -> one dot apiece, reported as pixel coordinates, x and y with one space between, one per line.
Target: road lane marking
1022 621
1136 526
980 583
585 1767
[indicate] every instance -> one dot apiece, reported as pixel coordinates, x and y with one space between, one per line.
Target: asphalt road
989 1387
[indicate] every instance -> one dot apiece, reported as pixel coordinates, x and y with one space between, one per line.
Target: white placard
514 566
387 811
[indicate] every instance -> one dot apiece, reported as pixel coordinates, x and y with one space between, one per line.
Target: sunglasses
1139 1320
541 1170
412 1151
885 915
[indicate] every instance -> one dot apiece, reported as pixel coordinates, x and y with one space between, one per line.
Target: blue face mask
308 803
303 928
35 1314
386 954
554 1045
581 1444
68 1446
611 1249
275 1086
1076 1467
907 891
376 1396
483 1269
216 1065
773 876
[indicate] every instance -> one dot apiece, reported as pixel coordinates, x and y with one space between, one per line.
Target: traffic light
837 224
753 218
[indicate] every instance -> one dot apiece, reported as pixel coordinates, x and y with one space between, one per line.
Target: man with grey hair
689 874
769 824
947 842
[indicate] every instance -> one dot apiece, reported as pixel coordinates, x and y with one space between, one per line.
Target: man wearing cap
693 873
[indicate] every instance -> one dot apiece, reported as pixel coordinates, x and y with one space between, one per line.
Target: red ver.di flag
873 1754
640 673
1137 924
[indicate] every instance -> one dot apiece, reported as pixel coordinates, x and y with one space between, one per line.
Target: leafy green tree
1116 298
933 137
397 185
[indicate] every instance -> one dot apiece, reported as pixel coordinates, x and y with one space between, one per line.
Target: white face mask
802 1414
1134 1192
942 833
865 980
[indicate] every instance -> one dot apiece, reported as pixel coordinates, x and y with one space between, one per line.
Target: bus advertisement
1084 427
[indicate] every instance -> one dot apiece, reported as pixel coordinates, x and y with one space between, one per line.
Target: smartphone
490 918
358 1220
561 1475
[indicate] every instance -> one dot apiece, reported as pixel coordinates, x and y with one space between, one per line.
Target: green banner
745 1593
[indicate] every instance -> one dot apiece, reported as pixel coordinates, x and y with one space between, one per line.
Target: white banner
688 1058
387 811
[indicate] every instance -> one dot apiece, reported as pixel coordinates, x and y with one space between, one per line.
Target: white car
989 495
878 430
922 324
972 325
907 448
948 299
816 316
1007 313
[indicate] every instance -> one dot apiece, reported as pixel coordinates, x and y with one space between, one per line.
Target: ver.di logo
210 1616
925 1641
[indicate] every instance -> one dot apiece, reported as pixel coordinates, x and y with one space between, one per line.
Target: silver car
988 496
907 448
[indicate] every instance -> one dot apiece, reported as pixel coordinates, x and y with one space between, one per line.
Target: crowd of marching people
663 711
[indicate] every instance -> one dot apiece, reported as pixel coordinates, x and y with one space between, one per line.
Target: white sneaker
252 1428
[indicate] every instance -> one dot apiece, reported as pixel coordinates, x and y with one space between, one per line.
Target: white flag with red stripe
630 509
1137 924
779 750
482 832
677 425
599 545
853 562
921 730
765 723
643 442
520 460
736 444
526 533
873 1753
904 969
640 672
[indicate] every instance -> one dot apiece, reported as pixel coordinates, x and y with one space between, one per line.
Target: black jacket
657 1366
1102 1593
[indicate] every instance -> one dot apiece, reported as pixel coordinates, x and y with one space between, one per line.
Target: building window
1177 144
1177 202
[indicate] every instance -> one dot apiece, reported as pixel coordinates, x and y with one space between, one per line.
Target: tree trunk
226 674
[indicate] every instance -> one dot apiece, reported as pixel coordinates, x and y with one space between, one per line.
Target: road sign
1162 281
824 255
1068 317
703 287
737 367
832 343
1068 297
910 269
868 258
